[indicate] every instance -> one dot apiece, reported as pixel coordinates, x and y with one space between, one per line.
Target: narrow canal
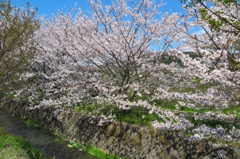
41 139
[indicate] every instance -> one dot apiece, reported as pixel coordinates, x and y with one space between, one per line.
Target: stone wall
120 138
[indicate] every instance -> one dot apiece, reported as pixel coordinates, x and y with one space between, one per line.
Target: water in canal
41 139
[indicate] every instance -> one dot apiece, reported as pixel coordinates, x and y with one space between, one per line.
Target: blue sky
50 7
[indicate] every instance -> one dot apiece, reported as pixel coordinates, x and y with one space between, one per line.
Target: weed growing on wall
31 122
90 149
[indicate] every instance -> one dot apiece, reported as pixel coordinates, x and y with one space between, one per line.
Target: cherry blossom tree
216 53
109 50
211 32
105 58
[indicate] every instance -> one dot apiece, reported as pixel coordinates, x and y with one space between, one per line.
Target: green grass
10 96
141 116
205 86
59 137
90 149
88 108
203 110
192 110
213 123
137 116
14 147
183 90
196 81
187 109
164 103
31 122
233 110
171 107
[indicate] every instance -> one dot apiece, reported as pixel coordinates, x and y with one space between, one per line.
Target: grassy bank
14 147
90 149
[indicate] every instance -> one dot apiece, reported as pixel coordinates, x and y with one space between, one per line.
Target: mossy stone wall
120 138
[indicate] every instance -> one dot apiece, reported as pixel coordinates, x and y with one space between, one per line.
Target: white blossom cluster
204 131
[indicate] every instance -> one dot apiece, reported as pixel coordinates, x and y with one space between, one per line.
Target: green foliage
233 63
234 144
193 110
187 109
17 45
205 86
10 96
194 2
197 87
171 107
31 122
59 137
88 108
21 147
203 110
232 110
196 81
164 103
136 116
211 123
183 90
90 149
167 59
210 16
